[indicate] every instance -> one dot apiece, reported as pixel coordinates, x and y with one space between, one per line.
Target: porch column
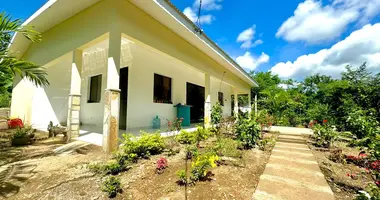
112 94
255 105
249 105
75 95
207 109
236 103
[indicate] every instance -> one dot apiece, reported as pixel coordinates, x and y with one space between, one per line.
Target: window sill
163 103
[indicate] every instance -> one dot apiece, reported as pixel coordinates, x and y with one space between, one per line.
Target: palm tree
10 64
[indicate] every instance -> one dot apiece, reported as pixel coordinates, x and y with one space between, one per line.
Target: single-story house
117 64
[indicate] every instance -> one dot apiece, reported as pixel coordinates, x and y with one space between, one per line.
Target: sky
292 38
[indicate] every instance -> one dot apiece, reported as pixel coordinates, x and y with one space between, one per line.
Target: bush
228 147
111 167
23 132
267 143
143 146
182 177
372 192
162 164
364 127
248 131
216 113
112 186
264 119
172 145
186 137
201 166
324 135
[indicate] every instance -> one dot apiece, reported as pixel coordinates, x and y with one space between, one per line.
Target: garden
224 161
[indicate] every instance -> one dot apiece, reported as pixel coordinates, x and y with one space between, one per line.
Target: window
162 89
221 98
95 89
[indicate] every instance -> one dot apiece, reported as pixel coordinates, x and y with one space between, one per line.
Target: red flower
367 170
363 155
14 123
162 163
169 123
377 183
325 121
348 174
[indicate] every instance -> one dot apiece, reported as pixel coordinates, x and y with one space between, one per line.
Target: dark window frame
95 89
162 93
221 98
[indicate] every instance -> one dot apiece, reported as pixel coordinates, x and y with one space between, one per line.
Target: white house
118 64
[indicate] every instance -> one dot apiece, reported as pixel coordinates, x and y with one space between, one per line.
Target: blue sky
292 38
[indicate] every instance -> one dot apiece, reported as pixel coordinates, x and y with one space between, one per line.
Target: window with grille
95 89
221 98
162 89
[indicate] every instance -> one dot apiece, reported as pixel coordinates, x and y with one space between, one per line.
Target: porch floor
94 134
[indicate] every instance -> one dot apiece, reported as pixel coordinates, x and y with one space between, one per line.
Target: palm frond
31 71
8 25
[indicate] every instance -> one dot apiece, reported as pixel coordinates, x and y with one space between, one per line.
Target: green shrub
201 166
182 177
267 143
202 134
216 113
172 146
185 137
111 167
228 147
111 186
23 132
324 135
142 146
372 192
248 131
364 127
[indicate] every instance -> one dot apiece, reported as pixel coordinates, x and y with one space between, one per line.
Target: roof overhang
55 12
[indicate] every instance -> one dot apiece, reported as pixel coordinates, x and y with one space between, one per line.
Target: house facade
117 64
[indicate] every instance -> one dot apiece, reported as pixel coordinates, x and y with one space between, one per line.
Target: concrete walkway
292 171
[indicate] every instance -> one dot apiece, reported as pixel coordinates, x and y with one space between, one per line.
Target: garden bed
345 179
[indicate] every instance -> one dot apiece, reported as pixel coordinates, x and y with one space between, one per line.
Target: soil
36 172
343 185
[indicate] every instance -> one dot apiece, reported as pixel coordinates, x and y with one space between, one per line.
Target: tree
11 65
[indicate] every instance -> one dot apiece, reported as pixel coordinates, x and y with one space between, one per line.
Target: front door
123 98
195 97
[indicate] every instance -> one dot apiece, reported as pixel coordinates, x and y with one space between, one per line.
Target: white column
249 104
255 105
236 103
73 119
207 109
112 94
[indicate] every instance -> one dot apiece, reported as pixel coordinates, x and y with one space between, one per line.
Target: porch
94 134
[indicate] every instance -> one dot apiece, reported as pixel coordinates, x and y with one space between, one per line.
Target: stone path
292 171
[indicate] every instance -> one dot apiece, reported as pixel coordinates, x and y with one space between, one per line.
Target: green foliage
264 119
111 186
9 65
372 192
143 146
113 167
267 143
248 132
182 177
172 145
228 147
216 113
362 125
23 132
185 137
324 135
201 165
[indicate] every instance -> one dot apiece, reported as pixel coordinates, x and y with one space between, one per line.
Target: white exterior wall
143 64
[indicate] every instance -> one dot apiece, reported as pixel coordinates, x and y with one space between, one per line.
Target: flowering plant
15 123
162 164
175 125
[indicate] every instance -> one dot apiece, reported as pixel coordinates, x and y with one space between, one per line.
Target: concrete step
283 188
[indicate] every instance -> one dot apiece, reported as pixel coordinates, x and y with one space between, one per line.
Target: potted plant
23 136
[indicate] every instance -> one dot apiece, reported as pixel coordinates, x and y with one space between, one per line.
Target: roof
55 12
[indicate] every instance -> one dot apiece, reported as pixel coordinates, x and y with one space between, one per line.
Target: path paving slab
292 172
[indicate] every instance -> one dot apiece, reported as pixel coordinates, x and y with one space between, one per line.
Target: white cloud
207 5
313 22
249 62
247 38
204 19
360 46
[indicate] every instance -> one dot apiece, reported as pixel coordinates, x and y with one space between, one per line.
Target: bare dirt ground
38 172
344 186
